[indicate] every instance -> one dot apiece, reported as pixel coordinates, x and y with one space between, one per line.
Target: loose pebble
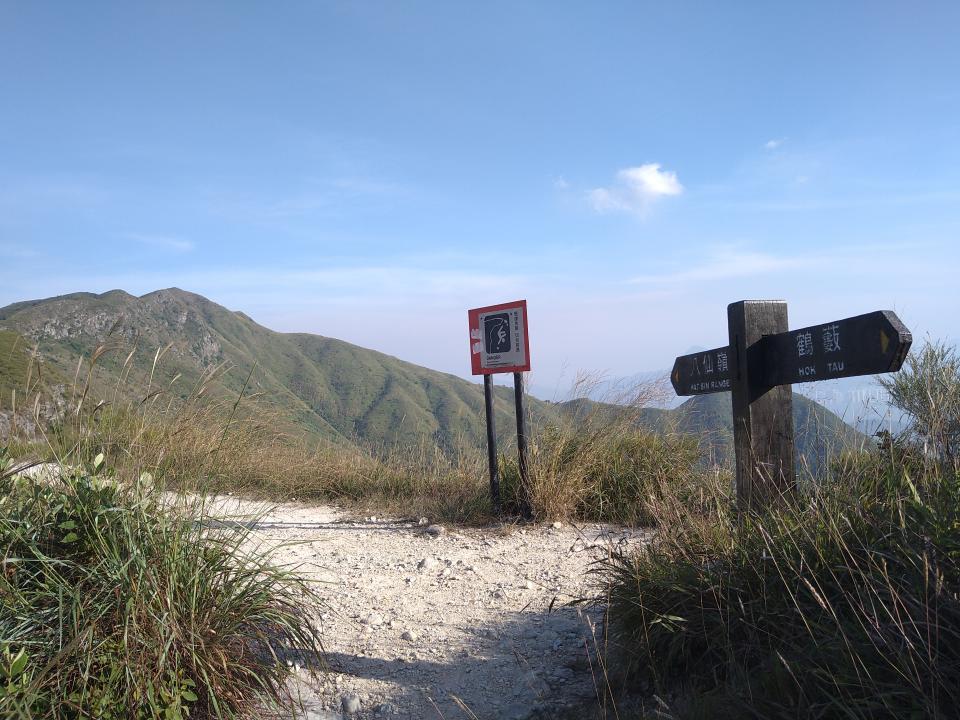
350 704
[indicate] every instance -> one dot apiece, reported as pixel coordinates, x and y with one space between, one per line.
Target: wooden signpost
500 343
758 366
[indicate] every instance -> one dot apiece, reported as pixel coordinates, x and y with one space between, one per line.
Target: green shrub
119 603
927 390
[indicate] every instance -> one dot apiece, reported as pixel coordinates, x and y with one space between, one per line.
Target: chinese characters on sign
860 345
830 335
702 372
831 338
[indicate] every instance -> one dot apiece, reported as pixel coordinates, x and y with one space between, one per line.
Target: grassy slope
327 388
17 369
14 364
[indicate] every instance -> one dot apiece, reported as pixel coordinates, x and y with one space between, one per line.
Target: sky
371 170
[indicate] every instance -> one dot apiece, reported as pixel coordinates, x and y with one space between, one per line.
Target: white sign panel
502 338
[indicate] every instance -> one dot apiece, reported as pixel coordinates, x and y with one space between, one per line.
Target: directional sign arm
702 373
876 342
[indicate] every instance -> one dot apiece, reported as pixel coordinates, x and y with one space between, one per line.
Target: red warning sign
499 341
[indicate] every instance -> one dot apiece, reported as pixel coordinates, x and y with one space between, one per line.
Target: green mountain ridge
325 389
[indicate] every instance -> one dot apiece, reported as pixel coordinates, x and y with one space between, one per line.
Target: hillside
322 388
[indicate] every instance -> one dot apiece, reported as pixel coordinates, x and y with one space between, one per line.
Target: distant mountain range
320 387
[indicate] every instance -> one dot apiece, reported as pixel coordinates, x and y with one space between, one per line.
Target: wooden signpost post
758 366
499 343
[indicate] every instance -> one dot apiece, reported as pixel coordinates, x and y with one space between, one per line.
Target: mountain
320 387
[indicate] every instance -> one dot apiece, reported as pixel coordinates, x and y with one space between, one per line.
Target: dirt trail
463 624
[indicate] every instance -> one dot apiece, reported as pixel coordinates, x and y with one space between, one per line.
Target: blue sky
371 170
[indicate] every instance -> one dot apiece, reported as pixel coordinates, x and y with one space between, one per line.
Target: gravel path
428 623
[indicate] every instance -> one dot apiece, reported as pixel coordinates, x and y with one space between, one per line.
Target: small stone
423 521
373 620
385 709
409 636
557 525
427 563
350 704
529 585
436 530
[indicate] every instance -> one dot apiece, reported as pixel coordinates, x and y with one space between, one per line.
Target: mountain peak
175 293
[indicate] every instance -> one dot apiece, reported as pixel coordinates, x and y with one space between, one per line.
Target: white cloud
636 189
561 183
774 144
164 242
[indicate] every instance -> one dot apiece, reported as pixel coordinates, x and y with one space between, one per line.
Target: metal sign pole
500 343
522 445
492 444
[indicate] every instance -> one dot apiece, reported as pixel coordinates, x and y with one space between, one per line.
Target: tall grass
203 441
117 603
599 464
603 464
843 603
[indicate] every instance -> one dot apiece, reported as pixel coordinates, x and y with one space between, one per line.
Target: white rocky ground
469 623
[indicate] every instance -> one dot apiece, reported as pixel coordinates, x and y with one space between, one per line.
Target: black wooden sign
757 367
863 345
702 372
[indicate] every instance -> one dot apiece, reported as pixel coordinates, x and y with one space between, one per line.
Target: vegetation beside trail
598 462
844 603
604 464
118 603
